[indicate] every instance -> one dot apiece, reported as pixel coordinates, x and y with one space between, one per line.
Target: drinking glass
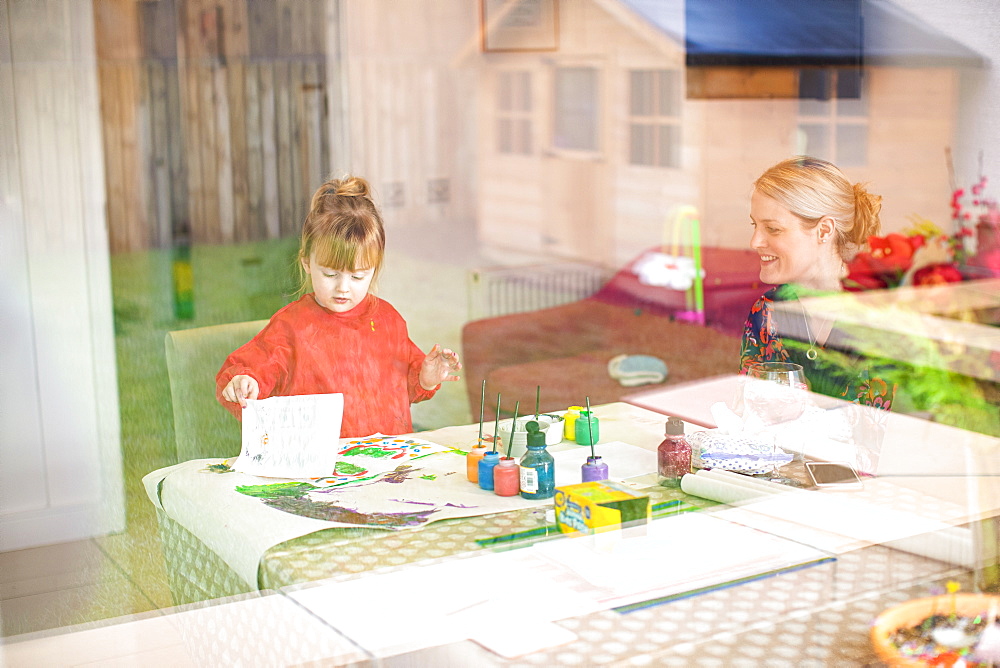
773 393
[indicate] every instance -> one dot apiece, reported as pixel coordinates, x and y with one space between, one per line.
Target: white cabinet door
60 456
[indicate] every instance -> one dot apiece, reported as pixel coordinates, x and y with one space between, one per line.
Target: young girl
808 219
340 338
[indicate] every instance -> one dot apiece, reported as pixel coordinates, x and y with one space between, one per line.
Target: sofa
565 350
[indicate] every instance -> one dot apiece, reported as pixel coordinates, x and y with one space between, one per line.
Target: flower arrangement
924 254
984 213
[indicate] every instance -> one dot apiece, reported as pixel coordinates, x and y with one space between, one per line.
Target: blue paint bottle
538 468
486 465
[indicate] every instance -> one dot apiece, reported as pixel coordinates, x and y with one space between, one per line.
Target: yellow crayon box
599 506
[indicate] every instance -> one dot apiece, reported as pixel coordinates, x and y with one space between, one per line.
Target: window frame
834 118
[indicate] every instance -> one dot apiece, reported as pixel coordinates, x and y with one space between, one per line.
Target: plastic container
486 466
594 469
472 462
506 477
569 422
588 428
538 468
673 457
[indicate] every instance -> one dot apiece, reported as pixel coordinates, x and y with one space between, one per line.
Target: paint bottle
538 469
594 469
486 466
472 462
674 454
506 477
587 426
569 422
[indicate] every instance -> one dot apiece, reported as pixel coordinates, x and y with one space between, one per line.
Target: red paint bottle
506 477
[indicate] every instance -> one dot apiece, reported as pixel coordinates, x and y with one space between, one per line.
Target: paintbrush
496 425
513 428
590 428
482 405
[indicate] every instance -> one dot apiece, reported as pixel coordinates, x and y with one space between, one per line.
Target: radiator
501 290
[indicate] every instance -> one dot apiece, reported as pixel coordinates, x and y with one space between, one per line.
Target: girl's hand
241 388
439 365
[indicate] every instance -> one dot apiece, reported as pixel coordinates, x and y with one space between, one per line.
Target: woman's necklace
811 354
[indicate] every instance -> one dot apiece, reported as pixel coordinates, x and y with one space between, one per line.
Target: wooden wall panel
215 117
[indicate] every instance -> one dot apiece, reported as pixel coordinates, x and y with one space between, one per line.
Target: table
831 599
337 551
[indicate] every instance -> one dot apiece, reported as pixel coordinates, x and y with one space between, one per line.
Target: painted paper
291 437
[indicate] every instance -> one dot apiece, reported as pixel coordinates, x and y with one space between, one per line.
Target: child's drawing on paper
290 437
307 499
388 448
364 502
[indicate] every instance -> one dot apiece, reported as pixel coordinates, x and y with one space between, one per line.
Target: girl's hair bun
350 186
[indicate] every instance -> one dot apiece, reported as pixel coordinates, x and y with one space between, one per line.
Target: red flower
893 251
863 278
937 274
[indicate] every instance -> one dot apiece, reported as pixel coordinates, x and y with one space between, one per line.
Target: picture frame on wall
519 25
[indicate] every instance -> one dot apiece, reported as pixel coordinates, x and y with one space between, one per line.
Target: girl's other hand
241 388
440 365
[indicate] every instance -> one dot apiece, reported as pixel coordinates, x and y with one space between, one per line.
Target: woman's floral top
837 370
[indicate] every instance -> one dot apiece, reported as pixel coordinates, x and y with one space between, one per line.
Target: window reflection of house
514 113
649 105
575 113
833 115
655 118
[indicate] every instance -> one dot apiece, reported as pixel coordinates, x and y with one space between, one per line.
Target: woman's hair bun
867 220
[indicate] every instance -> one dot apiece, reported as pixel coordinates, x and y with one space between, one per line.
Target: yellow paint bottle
569 426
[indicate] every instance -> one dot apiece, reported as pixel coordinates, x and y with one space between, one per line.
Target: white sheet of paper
623 460
291 437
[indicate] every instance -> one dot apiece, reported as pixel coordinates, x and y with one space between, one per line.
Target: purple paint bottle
594 469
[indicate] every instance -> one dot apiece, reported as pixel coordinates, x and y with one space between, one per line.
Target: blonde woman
808 221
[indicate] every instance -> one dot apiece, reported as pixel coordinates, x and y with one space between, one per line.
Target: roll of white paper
722 491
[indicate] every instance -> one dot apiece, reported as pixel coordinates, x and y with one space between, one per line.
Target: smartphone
837 475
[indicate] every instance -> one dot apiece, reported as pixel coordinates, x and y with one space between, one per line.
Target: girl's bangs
343 255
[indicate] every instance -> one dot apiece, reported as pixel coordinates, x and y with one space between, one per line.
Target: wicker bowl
913 612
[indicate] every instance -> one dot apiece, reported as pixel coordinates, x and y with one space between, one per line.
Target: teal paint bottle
538 468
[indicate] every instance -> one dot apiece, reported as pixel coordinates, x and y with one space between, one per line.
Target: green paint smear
428 477
347 468
330 512
221 467
277 490
369 451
